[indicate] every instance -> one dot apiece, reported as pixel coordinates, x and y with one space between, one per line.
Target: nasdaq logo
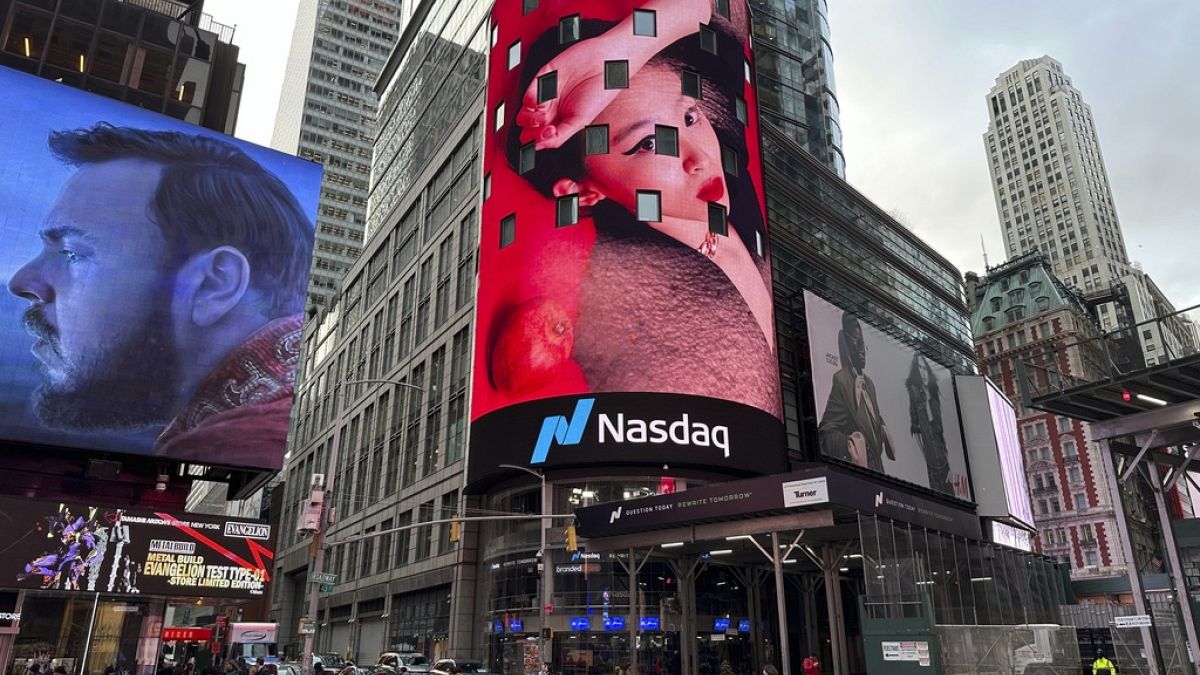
558 429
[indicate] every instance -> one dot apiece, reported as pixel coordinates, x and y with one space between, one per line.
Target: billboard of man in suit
852 427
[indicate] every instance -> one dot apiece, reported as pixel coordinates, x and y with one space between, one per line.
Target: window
708 39
645 22
498 118
495 34
568 29
691 84
595 140
729 160
514 55
508 230
567 210
718 222
666 140
487 185
740 110
616 74
649 206
526 159
723 8
1091 558
759 249
528 6
547 86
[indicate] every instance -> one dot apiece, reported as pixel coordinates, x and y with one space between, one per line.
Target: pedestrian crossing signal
572 541
455 530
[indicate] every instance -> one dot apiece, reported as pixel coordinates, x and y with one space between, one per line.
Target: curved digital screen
155 277
624 307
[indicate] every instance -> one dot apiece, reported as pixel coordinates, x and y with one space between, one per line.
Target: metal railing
177 10
1107 357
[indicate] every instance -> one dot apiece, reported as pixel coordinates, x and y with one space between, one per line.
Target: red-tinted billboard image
77 547
624 282
154 281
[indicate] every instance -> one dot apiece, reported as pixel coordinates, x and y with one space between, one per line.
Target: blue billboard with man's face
155 275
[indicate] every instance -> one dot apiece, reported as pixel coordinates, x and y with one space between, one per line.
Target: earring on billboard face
709 246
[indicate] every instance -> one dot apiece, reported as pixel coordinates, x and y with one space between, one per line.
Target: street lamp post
545 556
318 562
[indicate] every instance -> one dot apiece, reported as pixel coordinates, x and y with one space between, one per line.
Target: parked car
412 662
329 661
455 667
289 669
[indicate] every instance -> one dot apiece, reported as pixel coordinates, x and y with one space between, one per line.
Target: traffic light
455 530
572 542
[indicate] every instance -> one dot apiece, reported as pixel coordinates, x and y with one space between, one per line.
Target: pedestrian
1102 666
769 670
811 665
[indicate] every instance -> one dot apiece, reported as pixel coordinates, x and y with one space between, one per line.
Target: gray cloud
912 79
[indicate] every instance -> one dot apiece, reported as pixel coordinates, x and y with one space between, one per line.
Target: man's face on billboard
100 302
856 345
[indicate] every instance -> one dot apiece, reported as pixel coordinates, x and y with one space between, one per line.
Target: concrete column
465 627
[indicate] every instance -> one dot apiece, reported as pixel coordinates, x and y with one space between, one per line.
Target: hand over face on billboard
645 290
163 293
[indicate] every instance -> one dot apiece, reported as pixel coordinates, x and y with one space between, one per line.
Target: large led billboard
78 547
882 405
155 274
994 448
624 306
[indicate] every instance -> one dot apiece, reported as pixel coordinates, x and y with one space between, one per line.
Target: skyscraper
1053 196
327 114
1051 187
797 93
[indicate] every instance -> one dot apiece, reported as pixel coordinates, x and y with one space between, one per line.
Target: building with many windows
797 90
1053 196
404 317
1019 310
163 55
1048 174
327 114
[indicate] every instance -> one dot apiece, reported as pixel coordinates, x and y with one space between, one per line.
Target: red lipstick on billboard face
712 190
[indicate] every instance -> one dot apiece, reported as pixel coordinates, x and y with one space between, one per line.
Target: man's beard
131 386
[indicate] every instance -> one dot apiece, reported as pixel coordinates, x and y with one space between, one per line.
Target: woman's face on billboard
689 181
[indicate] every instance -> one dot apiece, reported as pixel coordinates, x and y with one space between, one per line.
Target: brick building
1019 311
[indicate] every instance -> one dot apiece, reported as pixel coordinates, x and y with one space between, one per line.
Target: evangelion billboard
624 285
156 275
77 547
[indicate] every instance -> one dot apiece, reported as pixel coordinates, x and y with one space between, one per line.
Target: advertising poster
155 277
624 276
76 547
881 405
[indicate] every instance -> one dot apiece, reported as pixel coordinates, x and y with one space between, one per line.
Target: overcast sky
912 76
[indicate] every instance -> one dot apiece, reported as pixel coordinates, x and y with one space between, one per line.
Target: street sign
322 578
307 626
326 588
1134 621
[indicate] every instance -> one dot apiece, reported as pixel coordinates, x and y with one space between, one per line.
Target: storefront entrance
87 633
